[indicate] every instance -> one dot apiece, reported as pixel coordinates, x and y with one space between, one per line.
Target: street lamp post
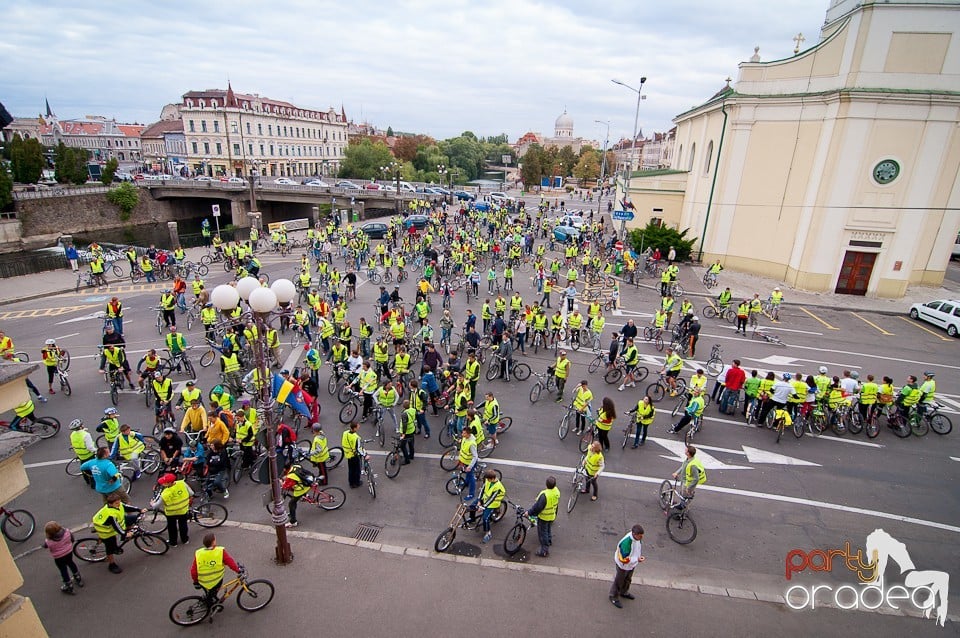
442 170
264 306
387 170
633 140
254 172
603 164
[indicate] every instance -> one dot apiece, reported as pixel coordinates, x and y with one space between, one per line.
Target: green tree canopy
588 166
662 237
534 166
566 159
466 153
125 197
70 165
363 160
26 160
389 131
6 187
106 176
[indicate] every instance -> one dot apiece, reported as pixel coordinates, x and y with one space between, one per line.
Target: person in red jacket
208 576
734 383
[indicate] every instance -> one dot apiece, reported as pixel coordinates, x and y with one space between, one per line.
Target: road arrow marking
955 458
93 315
762 456
621 312
678 449
753 455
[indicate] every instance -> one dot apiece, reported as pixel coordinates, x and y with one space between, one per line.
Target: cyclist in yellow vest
110 523
606 415
351 444
491 497
693 473
208 567
645 412
545 511
110 425
582 399
81 442
593 465
672 366
694 410
174 497
561 371
128 446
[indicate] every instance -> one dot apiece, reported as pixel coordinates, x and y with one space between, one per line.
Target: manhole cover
367 532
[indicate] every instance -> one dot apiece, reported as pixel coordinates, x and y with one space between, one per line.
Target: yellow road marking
825 324
870 323
40 312
917 325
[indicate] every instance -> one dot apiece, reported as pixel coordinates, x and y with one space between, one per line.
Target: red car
372 186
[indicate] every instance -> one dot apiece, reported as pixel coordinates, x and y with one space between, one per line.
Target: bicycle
204 513
709 280
545 381
44 427
252 595
578 482
655 335
89 280
366 470
17 525
714 364
619 371
513 542
460 520
939 423
769 338
394 460
64 381
723 312
681 528
520 370
91 549
326 497
660 388
178 361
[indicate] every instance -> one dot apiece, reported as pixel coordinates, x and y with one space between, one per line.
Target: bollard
174 234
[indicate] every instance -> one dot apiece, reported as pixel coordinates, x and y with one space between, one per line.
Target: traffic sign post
623 215
216 216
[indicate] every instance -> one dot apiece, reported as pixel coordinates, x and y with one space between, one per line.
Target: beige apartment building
835 169
232 134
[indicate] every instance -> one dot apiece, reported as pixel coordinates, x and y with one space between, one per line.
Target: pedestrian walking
626 558
60 544
545 509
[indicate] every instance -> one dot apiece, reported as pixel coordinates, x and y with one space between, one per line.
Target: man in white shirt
626 558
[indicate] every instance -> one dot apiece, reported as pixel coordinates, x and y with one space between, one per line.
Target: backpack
306 476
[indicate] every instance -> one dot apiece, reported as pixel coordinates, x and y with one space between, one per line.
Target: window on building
250 149
270 131
693 156
261 150
203 125
194 148
259 128
219 149
236 149
206 148
271 149
248 128
216 126
284 131
233 127
192 127
709 158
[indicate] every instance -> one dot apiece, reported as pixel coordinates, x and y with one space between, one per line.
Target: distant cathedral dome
563 126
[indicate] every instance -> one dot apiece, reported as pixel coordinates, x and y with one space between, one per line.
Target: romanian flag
287 392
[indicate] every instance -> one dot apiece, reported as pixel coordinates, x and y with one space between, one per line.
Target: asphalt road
763 499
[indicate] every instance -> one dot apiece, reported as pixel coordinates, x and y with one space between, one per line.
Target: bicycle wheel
900 426
799 425
658 343
189 369
331 498
647 333
594 365
190 318
514 540
63 363
714 367
613 375
446 436
332 383
348 412
709 312
445 540
521 371
564 426
681 528
940 424
73 467
114 394
454 486
255 595
780 428
154 522
18 525
150 544
90 550
208 358
919 426
585 440
485 448
189 610
656 391
150 461
449 459
493 370
855 423
46 427
574 494
210 514
535 392
237 472
371 484
574 343
665 496
344 393
336 455
65 385
392 464
872 427
504 425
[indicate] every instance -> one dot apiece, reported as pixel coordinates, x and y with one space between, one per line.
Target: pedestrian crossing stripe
39 312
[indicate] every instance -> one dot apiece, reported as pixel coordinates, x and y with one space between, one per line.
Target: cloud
419 65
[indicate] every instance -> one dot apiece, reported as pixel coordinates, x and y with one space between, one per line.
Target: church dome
564 121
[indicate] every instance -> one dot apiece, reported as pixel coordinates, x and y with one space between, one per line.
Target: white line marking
779 329
46 463
955 458
821 437
75 334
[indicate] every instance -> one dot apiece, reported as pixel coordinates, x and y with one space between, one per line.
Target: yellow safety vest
101 521
176 499
209 566
230 363
549 511
688 473
130 445
592 463
79 446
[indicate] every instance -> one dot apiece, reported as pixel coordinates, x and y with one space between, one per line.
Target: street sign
216 210
623 215
618 245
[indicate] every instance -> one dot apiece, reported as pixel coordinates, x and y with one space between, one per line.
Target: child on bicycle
208 567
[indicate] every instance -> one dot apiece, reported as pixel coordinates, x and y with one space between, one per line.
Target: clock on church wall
886 171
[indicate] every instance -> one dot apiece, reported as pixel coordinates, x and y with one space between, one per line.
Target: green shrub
125 197
662 237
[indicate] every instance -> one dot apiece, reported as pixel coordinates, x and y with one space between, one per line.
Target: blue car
563 233
464 196
482 206
419 221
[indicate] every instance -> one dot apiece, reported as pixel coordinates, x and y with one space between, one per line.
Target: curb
498 563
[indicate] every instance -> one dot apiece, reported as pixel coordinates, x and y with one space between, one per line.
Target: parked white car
317 182
284 181
944 313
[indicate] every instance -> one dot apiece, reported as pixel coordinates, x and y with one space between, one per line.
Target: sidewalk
744 285
342 587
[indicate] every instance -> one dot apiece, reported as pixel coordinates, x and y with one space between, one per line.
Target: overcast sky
425 66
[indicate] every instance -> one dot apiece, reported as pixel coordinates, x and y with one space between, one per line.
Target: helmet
928 373
110 411
245 402
855 375
208 305
167 479
786 376
158 375
316 427
50 342
76 424
695 318
217 389
823 369
169 430
192 442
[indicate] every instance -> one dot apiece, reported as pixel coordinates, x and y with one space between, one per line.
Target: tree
6 187
363 160
533 166
466 153
26 160
662 237
109 171
389 131
568 159
588 167
70 165
405 148
125 197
